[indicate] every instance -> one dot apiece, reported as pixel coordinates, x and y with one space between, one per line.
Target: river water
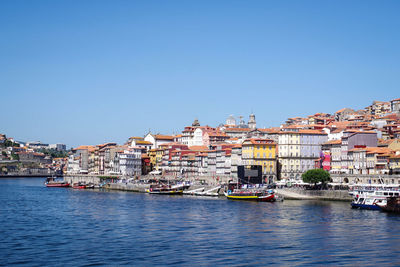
42 226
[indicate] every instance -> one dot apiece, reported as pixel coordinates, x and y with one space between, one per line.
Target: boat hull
57 185
392 205
365 206
165 192
79 187
267 198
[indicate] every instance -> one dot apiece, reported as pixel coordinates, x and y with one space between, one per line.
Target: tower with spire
196 123
252 122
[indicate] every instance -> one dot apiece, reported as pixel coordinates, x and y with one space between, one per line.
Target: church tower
196 123
252 122
231 121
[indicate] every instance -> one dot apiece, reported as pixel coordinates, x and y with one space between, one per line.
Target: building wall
362 139
289 155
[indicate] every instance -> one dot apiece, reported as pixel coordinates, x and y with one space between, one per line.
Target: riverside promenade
125 184
301 194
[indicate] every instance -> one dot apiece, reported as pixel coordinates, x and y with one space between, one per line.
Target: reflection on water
57 226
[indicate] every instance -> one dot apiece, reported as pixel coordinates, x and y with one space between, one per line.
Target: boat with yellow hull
164 191
252 195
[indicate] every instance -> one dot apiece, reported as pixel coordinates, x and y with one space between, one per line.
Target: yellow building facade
159 156
260 152
152 154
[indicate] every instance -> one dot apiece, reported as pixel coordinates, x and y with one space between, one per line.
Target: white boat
372 196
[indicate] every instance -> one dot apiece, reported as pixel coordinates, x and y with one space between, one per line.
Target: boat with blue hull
367 203
372 197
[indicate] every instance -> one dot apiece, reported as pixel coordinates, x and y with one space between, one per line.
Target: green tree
316 176
54 153
14 156
9 143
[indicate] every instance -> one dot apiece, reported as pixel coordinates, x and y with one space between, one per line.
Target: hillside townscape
349 143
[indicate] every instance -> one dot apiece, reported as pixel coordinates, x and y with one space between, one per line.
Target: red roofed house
157 139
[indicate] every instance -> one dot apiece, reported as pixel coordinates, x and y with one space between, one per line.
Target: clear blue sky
87 72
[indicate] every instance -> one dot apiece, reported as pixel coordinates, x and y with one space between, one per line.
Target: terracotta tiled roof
312 132
258 141
140 142
339 124
270 130
216 134
333 142
237 130
163 137
294 126
385 142
198 148
341 110
83 147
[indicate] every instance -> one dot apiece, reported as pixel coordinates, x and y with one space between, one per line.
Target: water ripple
65 227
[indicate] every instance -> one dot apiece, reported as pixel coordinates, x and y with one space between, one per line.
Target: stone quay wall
298 193
365 178
97 179
85 178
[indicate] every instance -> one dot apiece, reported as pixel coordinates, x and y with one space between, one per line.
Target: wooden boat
78 186
392 205
51 182
251 195
164 190
90 186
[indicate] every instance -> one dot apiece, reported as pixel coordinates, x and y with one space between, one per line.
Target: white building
197 139
129 162
158 139
73 164
334 134
59 147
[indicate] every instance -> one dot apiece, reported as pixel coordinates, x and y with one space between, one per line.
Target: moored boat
368 202
51 182
78 186
372 197
392 205
165 189
252 195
